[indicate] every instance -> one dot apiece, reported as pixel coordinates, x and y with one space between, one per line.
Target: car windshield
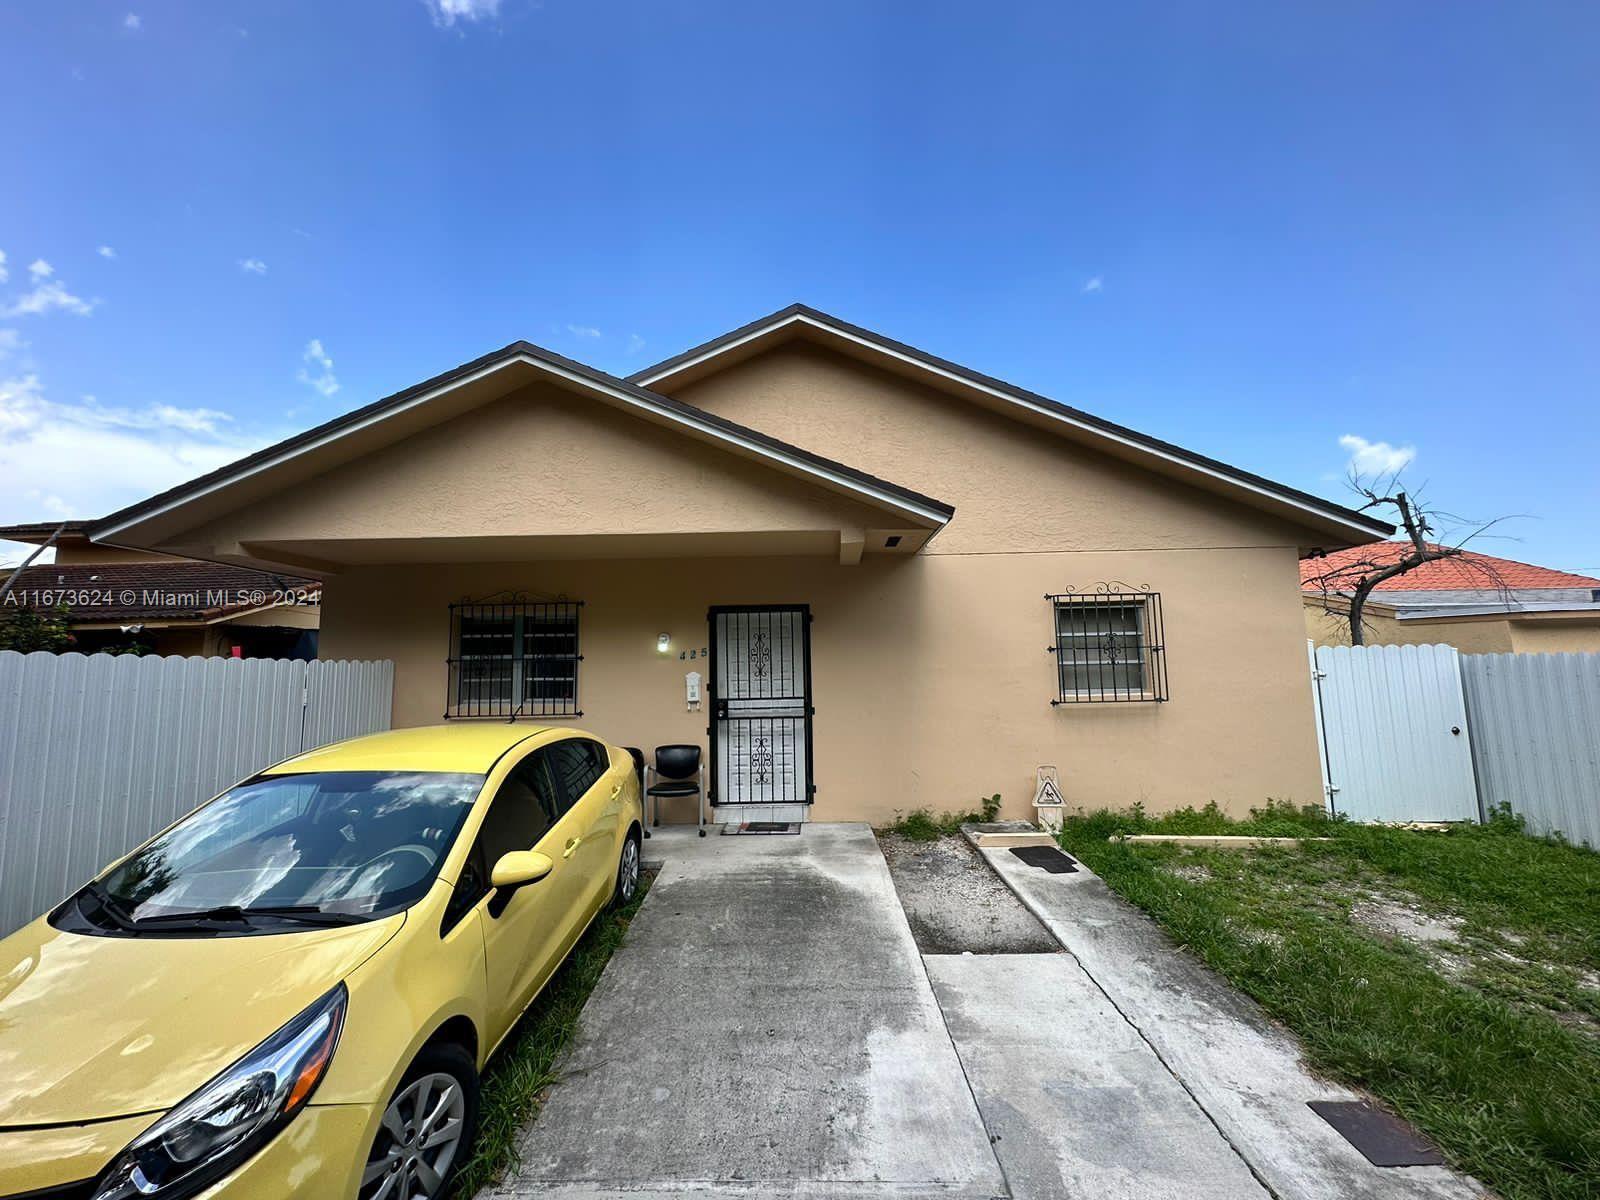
348 842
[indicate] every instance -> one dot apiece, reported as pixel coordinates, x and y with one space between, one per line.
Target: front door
760 693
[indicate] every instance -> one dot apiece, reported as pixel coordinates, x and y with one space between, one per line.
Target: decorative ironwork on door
760 683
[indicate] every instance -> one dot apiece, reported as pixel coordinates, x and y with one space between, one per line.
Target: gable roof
799 320
708 426
1467 572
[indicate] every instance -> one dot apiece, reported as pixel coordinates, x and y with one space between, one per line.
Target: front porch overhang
323 557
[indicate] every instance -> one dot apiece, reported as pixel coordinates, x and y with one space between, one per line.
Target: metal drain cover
1383 1138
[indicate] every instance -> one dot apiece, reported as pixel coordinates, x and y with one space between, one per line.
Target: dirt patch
955 904
1193 872
1407 922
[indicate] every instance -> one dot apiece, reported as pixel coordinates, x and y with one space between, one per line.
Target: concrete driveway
766 1029
770 1029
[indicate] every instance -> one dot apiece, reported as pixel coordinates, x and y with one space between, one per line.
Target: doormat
762 827
1383 1138
1047 858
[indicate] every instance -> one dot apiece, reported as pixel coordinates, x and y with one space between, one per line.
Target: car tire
424 1097
628 868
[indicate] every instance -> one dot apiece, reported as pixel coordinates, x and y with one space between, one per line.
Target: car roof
467 746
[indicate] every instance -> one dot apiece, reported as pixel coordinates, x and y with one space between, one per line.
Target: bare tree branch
1347 587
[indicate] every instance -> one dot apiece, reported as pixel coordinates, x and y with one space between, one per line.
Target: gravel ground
956 904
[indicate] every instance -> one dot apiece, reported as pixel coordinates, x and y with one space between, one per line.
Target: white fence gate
1394 733
98 752
1535 722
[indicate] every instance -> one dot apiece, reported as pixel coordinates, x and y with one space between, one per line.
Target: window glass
354 842
578 763
514 658
1101 648
523 811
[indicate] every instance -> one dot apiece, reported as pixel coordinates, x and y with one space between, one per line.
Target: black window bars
1109 647
514 658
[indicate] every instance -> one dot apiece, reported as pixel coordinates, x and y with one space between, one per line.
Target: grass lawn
1455 975
516 1079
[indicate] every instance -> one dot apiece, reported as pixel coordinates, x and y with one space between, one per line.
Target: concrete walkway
767 1029
1242 1071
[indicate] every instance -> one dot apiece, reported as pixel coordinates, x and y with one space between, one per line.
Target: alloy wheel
628 872
417 1143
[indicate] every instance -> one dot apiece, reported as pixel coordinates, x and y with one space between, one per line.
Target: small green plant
26 629
925 825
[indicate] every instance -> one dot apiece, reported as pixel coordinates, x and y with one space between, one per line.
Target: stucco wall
1565 636
1016 488
930 674
1470 637
1477 635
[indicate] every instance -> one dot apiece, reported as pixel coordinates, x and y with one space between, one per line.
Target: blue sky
1252 229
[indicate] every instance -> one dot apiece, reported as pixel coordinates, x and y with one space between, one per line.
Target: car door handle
616 791
572 844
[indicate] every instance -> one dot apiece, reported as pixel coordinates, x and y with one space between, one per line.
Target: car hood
99 1027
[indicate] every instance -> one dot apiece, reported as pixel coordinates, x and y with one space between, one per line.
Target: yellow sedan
290 992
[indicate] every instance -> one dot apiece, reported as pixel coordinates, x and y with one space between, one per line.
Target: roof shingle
1469 571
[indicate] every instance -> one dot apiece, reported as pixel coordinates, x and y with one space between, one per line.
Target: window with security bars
514 659
1109 647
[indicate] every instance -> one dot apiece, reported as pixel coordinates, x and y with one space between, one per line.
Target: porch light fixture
664 643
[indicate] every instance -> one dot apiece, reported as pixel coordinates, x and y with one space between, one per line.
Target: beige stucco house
898 582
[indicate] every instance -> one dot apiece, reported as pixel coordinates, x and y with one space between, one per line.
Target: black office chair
679 771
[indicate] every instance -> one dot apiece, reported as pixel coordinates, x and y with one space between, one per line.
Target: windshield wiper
305 914
108 905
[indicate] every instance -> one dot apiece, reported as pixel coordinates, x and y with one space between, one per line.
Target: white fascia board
632 399
1366 532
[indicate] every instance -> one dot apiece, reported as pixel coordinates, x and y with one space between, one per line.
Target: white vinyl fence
1394 733
1536 738
98 752
1425 733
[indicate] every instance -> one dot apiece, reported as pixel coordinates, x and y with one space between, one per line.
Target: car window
577 763
523 810
351 842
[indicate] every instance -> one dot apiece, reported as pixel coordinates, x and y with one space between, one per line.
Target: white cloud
1095 283
87 459
132 21
4 274
1376 458
10 342
40 269
106 252
583 331
315 356
253 266
447 12
50 294
635 343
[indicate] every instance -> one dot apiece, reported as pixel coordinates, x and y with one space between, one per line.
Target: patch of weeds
1452 973
924 825
517 1078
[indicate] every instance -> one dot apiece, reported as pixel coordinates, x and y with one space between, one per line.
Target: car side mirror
519 868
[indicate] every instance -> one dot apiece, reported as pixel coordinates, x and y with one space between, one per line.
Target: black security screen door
761 705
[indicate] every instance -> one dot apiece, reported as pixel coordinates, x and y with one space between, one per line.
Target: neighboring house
116 597
899 582
1476 602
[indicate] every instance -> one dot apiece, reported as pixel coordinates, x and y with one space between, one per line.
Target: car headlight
234 1115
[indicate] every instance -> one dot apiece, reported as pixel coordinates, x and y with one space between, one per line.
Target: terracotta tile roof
1469 571
151 591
